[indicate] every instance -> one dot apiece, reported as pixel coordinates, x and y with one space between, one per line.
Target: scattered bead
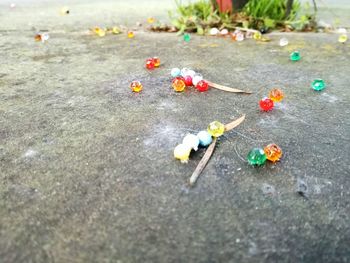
343 38
202 86
266 104
256 156
318 84
116 30
257 35
192 141
136 86
205 138
216 129
150 64
182 152
224 32
273 152
99 31
188 81
131 34
197 78
284 42
295 56
239 36
64 11
342 30
233 36
156 62
178 84
276 95
187 37
214 31
175 72
150 20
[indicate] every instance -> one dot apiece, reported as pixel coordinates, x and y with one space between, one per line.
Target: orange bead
156 62
179 84
37 37
136 86
276 95
273 152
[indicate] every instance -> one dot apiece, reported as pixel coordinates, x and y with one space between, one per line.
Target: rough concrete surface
86 167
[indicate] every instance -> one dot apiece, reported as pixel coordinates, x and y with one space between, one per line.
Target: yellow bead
116 30
216 129
131 34
136 86
343 38
150 20
178 85
276 95
273 152
64 11
257 35
182 152
99 31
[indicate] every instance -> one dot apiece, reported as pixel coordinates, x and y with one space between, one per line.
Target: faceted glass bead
233 36
295 56
182 152
214 31
318 84
136 86
224 32
187 37
273 152
64 11
179 84
99 31
116 30
197 78
175 72
188 81
204 138
249 34
216 129
150 63
266 104
156 61
257 35
37 37
150 20
192 141
202 86
131 34
284 42
343 38
256 156
239 36
184 72
276 95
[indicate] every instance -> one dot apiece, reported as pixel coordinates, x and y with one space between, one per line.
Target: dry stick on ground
210 151
224 88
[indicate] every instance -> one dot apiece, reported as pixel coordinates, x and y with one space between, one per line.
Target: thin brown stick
224 88
210 150
234 124
202 163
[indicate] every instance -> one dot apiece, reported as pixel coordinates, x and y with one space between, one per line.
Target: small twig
224 88
210 150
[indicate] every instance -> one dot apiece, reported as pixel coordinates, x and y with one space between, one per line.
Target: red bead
266 104
202 86
188 81
150 63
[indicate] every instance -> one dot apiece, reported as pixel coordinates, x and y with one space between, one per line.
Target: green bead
187 37
295 56
256 156
318 84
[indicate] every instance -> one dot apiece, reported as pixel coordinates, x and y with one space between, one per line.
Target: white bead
192 141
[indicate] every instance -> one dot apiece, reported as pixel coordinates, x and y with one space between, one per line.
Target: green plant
195 17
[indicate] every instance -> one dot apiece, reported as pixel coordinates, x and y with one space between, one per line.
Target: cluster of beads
203 138
101 32
43 37
186 78
237 35
267 103
258 156
152 63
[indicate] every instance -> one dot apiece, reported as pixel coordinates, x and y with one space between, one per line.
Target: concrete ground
86 167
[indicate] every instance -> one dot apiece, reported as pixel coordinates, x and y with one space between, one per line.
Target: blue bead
175 72
204 138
